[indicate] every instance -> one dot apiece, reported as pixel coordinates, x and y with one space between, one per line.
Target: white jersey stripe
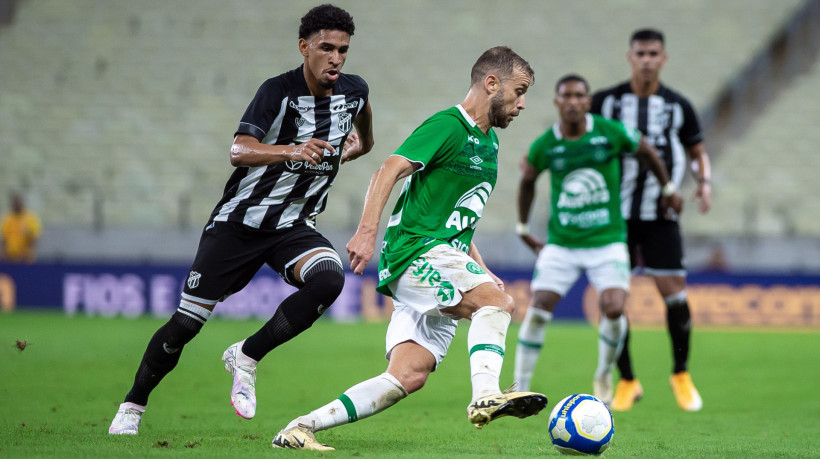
273 134
244 191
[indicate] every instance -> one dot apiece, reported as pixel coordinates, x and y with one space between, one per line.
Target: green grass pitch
57 397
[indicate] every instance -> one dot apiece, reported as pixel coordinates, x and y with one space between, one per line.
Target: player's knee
612 309
506 303
612 302
413 381
324 279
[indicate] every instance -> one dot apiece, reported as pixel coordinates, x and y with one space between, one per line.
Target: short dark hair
326 17
571 77
502 61
646 35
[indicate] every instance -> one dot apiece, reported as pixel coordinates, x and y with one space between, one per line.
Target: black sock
299 311
162 354
678 319
624 361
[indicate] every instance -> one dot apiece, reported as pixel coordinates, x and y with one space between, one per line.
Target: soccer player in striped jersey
586 230
287 150
669 122
428 263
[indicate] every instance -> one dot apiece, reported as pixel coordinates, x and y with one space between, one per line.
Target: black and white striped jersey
283 112
667 121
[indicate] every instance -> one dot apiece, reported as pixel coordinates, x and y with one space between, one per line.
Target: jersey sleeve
436 139
360 90
626 138
690 133
262 110
537 156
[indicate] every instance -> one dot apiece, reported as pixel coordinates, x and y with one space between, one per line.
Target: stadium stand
119 114
766 182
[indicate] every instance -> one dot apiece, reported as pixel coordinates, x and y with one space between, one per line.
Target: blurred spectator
20 230
717 259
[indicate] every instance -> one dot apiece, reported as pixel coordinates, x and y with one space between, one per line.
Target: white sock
611 335
530 339
360 401
486 340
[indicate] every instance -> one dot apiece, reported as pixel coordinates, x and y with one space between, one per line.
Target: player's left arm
475 255
702 171
649 157
360 143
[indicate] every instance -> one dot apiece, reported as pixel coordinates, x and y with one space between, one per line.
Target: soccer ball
581 424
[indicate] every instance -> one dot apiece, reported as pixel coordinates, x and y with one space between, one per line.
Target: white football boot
603 389
243 369
127 420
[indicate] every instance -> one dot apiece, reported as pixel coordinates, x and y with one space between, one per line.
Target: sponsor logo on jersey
294 165
476 160
590 219
345 121
426 273
469 207
299 122
458 245
598 140
384 274
472 139
346 106
300 108
581 188
193 279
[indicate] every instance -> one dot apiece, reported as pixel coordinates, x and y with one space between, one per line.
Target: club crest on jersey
474 268
193 279
345 121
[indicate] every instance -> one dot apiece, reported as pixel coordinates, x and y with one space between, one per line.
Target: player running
287 151
586 231
428 262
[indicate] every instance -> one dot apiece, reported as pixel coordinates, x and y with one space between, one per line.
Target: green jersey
585 177
443 200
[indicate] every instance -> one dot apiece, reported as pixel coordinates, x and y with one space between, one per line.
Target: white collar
465 115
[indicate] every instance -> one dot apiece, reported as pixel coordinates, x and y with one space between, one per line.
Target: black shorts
230 254
656 246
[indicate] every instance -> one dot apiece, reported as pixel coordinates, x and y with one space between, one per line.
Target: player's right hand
312 151
360 250
672 205
532 242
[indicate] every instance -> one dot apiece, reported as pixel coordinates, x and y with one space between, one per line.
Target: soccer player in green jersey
586 230
428 263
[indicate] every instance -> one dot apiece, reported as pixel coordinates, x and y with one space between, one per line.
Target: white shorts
558 268
434 281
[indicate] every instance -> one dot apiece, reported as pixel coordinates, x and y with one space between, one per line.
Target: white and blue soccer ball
581 424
